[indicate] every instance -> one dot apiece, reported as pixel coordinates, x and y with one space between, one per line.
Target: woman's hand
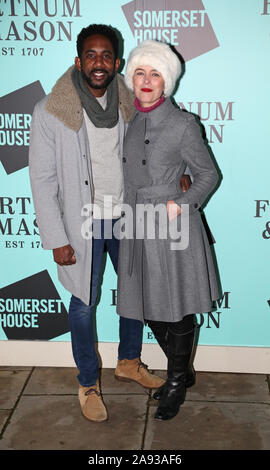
173 210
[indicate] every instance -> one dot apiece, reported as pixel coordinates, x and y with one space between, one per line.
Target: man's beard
98 86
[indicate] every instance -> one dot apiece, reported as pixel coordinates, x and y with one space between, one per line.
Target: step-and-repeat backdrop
225 45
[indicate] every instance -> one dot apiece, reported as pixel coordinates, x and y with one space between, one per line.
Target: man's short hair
103 30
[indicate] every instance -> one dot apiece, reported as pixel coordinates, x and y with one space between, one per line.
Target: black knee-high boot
174 393
160 330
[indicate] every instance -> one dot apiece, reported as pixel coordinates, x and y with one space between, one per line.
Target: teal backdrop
225 45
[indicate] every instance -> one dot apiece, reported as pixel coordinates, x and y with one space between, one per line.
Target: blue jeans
81 315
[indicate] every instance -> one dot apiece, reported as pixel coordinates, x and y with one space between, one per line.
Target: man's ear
78 63
116 65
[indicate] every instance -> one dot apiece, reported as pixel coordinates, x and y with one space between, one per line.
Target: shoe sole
124 379
95 420
165 419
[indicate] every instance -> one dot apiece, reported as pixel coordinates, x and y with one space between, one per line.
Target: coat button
123 214
147 141
196 205
86 182
124 159
144 162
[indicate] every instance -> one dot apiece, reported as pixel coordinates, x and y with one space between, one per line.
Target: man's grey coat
154 281
61 179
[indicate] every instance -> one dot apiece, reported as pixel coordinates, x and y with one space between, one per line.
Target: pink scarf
149 108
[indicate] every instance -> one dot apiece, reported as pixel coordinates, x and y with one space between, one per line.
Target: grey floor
39 410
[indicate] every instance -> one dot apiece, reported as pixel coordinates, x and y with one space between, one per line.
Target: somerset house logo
16 109
182 23
31 309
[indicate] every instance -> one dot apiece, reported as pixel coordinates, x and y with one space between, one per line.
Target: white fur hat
160 56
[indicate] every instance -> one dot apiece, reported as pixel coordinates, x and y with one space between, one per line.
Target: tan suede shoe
134 370
91 402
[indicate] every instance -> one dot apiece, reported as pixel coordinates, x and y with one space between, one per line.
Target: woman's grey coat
61 179
154 281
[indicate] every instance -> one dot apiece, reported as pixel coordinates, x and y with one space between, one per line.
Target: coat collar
158 114
64 102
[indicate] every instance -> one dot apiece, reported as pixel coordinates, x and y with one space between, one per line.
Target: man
75 160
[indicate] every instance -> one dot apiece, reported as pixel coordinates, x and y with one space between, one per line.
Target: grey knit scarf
100 117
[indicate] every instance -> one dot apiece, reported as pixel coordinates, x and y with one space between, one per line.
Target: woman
160 282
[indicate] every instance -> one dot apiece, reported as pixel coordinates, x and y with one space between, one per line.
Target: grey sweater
106 168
